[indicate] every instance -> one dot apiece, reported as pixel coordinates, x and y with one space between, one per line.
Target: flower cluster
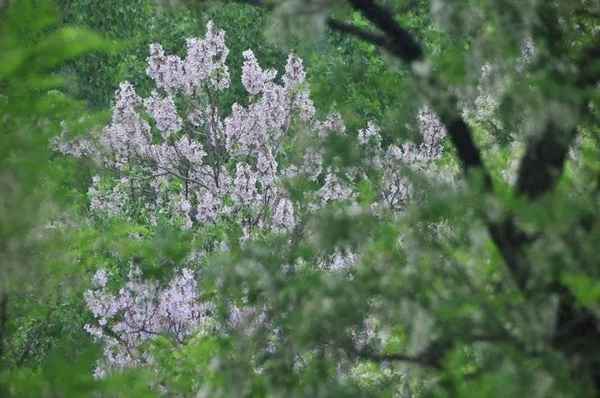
205 65
212 166
396 160
140 311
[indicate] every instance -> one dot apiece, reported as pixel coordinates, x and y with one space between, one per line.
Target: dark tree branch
370 37
509 240
543 162
468 152
408 49
545 156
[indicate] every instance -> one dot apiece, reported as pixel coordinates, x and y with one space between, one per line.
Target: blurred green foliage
43 350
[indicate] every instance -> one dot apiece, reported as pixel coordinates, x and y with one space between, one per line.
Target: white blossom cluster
140 311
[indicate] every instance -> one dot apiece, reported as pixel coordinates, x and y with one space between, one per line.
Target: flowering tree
176 155
188 160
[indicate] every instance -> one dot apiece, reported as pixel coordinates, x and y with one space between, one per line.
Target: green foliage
32 109
134 24
43 349
189 368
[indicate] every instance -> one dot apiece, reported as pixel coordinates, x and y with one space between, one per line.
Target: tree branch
545 156
350 29
544 161
468 152
407 47
394 47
